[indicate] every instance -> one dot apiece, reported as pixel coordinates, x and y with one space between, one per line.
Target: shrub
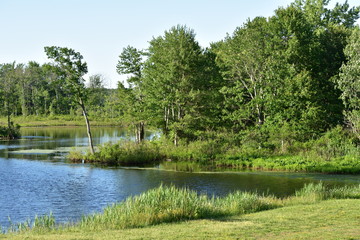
126 153
10 133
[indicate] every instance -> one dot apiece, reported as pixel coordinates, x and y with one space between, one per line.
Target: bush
126 153
10 133
334 143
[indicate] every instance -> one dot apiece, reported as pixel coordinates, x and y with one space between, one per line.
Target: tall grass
171 204
335 152
39 224
123 153
320 192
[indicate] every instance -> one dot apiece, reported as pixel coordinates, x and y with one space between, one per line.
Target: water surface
35 180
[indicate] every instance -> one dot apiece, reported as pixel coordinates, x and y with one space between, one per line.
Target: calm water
35 180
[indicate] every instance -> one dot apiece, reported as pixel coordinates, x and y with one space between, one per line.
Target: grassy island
334 152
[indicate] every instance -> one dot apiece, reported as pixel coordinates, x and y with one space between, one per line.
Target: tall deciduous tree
173 80
72 69
244 58
131 62
279 70
349 81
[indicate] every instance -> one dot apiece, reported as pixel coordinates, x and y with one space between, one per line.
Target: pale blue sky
100 29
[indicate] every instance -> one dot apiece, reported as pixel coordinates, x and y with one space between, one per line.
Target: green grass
340 165
59 120
169 204
206 155
124 153
332 219
313 212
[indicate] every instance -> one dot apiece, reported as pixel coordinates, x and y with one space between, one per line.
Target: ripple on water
29 187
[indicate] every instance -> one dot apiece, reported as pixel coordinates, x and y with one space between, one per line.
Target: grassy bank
59 120
333 219
314 211
212 155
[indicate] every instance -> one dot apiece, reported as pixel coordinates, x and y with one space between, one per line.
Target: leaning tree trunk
91 146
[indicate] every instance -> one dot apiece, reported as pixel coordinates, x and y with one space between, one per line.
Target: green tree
133 106
279 70
173 81
9 76
72 69
349 81
244 60
32 86
96 94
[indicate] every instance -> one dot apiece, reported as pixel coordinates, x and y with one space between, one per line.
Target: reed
38 224
124 153
170 204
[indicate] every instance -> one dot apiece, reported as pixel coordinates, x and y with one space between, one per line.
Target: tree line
290 77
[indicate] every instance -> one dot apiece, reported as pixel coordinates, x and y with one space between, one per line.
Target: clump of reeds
170 204
40 223
126 153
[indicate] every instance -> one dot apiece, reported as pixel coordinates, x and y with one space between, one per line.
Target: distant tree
96 81
72 69
97 94
9 76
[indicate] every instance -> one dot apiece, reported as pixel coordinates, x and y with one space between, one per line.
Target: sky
100 29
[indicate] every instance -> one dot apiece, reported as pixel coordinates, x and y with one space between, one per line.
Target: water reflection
29 187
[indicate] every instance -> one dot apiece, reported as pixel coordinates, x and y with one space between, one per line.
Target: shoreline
189 211
60 120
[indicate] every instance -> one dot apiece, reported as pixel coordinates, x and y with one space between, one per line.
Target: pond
35 179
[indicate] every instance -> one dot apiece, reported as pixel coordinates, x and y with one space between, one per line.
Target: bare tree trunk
260 115
141 131
9 120
176 140
91 146
10 135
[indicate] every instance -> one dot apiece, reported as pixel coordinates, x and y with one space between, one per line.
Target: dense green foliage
276 94
348 82
334 152
71 68
279 93
10 133
38 90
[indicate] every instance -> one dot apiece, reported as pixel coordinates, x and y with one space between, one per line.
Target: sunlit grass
167 204
39 224
59 120
170 204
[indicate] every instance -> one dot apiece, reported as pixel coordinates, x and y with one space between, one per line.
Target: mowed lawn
331 219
